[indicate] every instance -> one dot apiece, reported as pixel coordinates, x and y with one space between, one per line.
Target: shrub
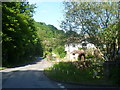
49 56
98 54
87 57
60 51
67 71
80 48
82 64
62 55
89 52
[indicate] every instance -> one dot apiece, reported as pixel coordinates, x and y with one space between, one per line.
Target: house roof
75 40
77 51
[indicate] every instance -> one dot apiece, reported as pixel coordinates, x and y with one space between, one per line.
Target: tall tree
19 34
52 38
93 19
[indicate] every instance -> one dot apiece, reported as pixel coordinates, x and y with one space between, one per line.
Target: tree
19 34
51 38
93 19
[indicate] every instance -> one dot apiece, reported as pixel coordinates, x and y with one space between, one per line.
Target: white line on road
60 85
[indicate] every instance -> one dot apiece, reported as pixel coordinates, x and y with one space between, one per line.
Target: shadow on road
37 79
35 61
26 79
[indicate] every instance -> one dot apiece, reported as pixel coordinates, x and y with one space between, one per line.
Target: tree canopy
19 36
51 38
98 20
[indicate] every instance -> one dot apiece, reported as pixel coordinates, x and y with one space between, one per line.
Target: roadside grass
95 60
67 72
2 68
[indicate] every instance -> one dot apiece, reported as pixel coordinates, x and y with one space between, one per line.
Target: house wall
90 45
71 47
73 57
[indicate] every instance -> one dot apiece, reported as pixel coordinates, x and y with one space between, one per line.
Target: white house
75 46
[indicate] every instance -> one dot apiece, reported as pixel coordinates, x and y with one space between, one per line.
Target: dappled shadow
30 63
36 79
26 79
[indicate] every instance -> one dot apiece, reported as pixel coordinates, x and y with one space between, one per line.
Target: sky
48 12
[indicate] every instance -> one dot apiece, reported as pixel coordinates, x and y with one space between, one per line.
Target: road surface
28 76
32 76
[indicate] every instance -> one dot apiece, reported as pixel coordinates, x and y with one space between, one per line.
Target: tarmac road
32 76
28 76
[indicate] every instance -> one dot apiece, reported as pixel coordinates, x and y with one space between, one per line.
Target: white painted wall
70 48
90 45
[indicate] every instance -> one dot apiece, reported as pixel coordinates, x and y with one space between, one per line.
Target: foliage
95 69
89 52
49 56
60 51
80 48
98 20
2 68
22 37
87 57
82 64
51 39
67 72
19 37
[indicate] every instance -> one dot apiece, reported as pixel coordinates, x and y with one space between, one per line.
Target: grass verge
67 72
2 68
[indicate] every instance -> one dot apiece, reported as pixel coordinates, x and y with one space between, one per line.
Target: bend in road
29 76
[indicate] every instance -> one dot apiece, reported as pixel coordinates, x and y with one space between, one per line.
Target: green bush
62 55
87 57
60 51
67 71
80 48
49 56
89 52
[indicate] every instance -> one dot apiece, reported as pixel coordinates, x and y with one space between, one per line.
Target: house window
73 53
84 44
